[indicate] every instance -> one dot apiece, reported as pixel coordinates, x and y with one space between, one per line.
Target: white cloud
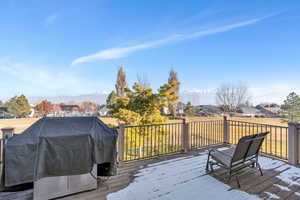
50 19
35 80
119 52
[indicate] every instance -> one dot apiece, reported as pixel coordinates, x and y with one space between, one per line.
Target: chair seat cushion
224 156
229 151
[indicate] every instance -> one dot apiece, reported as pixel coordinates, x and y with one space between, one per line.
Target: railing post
185 136
226 130
121 143
293 142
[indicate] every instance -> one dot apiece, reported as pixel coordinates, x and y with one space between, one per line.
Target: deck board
250 180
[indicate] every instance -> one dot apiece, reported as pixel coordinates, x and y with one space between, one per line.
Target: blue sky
66 47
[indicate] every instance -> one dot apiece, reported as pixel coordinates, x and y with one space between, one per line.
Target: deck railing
146 141
206 133
275 144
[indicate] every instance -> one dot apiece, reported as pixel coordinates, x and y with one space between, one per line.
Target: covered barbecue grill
59 146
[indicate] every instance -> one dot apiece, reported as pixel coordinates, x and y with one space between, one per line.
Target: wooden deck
268 186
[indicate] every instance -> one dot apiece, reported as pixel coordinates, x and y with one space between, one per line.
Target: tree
18 106
173 77
174 82
169 96
111 99
1 103
44 108
231 96
190 110
292 106
140 106
121 84
88 107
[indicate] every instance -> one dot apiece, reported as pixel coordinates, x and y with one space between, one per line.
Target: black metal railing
146 141
275 144
206 133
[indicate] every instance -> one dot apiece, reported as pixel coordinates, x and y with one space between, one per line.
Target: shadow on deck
183 175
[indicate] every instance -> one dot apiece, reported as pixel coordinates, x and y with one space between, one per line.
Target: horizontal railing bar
164 124
147 125
259 124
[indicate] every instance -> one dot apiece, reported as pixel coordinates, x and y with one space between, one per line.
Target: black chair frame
250 158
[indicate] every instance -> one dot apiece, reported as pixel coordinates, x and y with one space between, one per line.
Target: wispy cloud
50 19
34 79
119 52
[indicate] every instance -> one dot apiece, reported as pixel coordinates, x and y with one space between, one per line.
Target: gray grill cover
58 146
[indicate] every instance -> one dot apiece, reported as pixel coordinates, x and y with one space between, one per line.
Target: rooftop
183 176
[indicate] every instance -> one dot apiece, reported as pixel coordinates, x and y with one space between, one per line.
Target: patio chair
234 159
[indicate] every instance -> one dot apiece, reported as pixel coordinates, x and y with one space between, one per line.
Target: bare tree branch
231 96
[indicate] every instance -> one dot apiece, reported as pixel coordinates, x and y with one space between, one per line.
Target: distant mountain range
195 97
99 98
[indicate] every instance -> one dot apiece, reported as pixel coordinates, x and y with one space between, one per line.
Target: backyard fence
146 141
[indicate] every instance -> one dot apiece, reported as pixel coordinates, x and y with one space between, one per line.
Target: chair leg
207 163
229 176
259 168
238 182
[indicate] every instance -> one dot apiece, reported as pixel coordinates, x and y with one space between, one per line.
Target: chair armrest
211 150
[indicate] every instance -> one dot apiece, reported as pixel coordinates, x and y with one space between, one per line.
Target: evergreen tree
18 106
189 109
121 84
139 106
292 106
173 77
110 101
174 83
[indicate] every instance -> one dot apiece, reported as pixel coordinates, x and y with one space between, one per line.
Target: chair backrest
256 144
241 148
248 146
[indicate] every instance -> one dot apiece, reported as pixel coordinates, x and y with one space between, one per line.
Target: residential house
89 109
180 108
32 110
3 110
208 111
247 111
270 110
65 110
